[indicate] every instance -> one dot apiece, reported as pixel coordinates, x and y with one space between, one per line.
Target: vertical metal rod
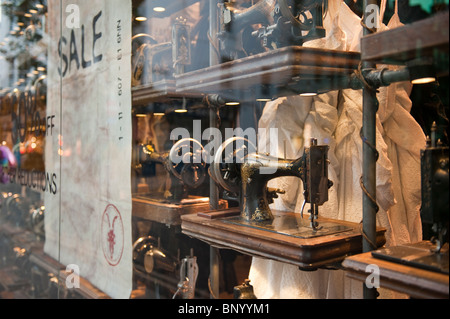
369 159
213 30
213 191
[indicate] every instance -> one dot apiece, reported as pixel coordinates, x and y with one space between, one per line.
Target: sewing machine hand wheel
140 39
295 12
186 162
225 170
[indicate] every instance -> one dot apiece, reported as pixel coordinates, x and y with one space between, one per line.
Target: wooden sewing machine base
169 212
287 239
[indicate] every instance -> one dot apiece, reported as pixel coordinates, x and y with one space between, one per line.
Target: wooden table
413 281
311 253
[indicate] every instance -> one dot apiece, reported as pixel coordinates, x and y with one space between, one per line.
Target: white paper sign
88 209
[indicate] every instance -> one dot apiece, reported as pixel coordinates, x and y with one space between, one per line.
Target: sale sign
88 219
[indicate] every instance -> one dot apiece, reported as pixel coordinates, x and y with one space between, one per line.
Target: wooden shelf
160 92
413 281
50 265
169 213
274 68
27 240
308 68
306 253
428 37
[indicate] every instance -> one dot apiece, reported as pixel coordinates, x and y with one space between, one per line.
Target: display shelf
21 238
309 66
11 282
162 91
309 253
169 212
414 281
166 281
265 75
50 265
86 289
425 38
10 279
45 262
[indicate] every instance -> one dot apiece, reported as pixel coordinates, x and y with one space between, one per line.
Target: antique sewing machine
153 263
435 169
186 170
149 257
258 52
14 210
35 222
268 25
159 244
307 241
154 62
241 171
150 61
432 253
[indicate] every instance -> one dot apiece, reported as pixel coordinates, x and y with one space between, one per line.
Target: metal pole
213 190
213 30
370 108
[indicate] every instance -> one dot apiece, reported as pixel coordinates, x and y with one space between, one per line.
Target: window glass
211 149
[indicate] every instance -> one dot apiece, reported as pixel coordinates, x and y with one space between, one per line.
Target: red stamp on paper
112 235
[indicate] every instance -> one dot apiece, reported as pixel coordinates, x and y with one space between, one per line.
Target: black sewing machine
158 246
186 170
244 175
435 209
429 254
153 61
268 25
184 164
152 263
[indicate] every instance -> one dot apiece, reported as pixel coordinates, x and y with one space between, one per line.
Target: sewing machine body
268 25
435 182
240 170
186 172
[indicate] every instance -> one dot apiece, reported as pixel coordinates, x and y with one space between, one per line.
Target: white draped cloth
335 119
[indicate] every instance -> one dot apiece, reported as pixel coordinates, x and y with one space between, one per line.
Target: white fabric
335 119
88 216
405 139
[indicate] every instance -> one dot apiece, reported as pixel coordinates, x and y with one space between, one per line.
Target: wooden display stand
309 68
162 92
169 213
286 71
401 276
16 283
425 38
86 289
219 230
